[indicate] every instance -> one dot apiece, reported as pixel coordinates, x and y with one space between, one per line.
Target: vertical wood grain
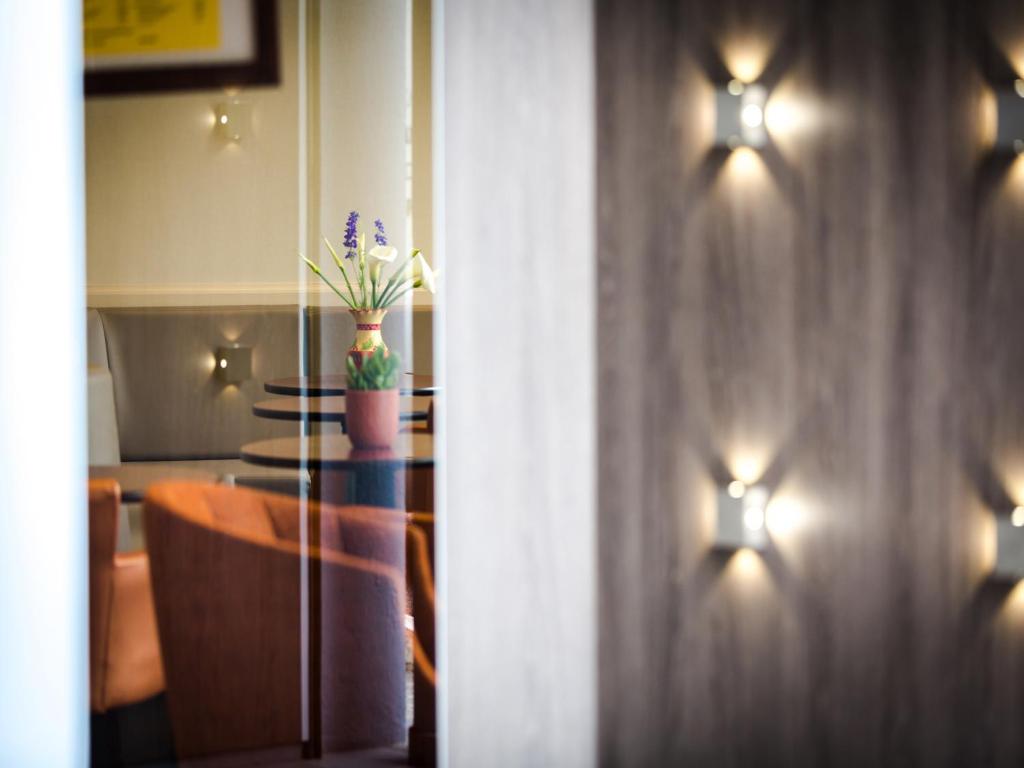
518 529
838 315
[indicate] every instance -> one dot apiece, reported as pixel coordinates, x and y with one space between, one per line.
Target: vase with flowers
371 400
368 291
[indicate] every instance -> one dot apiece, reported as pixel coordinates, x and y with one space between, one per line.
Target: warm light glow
989 118
987 543
792 117
745 564
223 119
1013 606
746 57
753 518
1015 178
745 163
747 468
1017 518
735 87
752 116
223 363
697 119
736 489
784 515
1008 462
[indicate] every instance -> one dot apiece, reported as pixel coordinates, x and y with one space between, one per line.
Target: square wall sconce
741 517
1009 546
1010 111
739 115
233 364
233 120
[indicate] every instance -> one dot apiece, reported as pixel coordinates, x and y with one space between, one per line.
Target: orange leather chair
124 654
226 570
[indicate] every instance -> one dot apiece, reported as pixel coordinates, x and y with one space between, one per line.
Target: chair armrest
134 669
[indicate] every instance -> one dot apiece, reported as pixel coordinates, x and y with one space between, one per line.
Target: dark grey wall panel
841 316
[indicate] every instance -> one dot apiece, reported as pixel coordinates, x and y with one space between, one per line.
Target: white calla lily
384 253
427 278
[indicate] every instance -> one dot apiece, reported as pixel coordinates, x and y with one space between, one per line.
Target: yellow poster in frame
127 27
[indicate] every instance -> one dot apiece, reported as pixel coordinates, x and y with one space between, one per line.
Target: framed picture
136 46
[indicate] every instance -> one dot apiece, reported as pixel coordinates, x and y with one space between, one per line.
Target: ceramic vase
368 335
371 417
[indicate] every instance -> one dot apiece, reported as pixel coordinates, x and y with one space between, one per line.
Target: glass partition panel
260 303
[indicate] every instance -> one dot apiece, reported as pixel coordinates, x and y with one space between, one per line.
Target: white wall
44 698
519 516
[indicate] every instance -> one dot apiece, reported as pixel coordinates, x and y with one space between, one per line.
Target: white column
517 540
44 703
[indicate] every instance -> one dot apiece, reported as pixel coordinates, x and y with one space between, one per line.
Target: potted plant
368 292
371 399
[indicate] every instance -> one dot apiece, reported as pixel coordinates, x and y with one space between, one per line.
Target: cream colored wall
177 215
363 96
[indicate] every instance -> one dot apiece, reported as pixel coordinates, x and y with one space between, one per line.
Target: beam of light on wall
1008 35
746 56
709 516
745 566
988 118
785 515
748 466
701 109
746 165
1013 605
1015 178
1010 466
985 543
792 117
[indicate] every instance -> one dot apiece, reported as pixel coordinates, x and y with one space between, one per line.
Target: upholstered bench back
168 400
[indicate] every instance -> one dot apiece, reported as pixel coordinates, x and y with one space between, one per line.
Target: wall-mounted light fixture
741 517
233 364
1009 546
233 120
1010 118
739 115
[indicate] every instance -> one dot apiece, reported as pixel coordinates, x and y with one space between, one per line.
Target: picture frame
246 53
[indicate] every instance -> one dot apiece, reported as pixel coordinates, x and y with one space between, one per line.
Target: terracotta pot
371 417
368 335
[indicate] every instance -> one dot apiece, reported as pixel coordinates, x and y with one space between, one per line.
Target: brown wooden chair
226 570
124 654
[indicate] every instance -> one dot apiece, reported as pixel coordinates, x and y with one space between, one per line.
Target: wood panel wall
516 352
841 317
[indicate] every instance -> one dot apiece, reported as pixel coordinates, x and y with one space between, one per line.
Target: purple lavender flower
379 235
351 240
